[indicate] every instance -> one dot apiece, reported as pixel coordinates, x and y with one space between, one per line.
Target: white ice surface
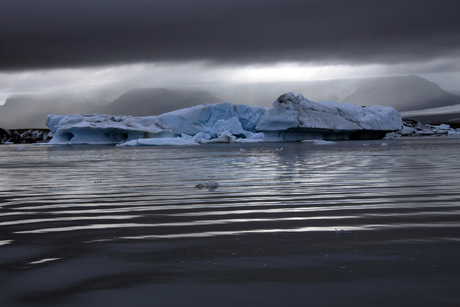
158 142
221 122
419 129
320 142
291 111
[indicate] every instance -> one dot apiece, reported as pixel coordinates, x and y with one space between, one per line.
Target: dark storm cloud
65 33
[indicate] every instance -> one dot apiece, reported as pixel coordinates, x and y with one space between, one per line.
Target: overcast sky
107 46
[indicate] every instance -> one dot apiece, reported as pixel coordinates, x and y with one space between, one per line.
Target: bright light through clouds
123 77
105 83
301 72
50 45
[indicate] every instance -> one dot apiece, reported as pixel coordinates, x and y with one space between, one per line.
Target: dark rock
25 136
4 135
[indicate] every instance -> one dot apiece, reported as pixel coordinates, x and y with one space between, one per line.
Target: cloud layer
67 33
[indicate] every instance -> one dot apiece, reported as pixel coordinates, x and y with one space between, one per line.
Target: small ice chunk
221 138
211 185
323 142
158 142
201 137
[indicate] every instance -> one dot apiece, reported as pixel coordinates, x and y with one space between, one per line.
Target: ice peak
289 97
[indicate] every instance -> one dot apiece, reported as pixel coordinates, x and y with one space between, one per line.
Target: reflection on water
73 212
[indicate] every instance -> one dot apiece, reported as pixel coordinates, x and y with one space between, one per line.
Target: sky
101 48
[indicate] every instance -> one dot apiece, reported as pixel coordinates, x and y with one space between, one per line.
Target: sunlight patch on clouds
169 74
106 83
302 72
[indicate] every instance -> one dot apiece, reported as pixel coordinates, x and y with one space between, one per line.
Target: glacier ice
295 118
292 118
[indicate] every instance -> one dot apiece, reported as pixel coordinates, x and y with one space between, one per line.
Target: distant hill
265 93
155 101
29 111
404 93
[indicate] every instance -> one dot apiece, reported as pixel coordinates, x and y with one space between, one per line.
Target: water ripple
301 189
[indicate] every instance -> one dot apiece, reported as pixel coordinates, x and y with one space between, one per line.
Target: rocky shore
24 136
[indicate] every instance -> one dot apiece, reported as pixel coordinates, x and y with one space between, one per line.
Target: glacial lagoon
352 223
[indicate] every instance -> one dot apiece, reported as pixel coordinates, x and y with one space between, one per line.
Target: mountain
29 111
403 92
155 101
265 93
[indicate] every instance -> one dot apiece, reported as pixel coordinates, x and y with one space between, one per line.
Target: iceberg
292 118
295 118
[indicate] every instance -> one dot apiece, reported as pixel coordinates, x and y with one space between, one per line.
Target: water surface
351 223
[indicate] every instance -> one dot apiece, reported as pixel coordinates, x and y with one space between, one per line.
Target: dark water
348 224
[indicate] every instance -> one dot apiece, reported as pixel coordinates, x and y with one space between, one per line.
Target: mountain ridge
155 101
405 93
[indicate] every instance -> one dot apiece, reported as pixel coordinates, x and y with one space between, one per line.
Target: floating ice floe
292 118
158 142
319 142
414 128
